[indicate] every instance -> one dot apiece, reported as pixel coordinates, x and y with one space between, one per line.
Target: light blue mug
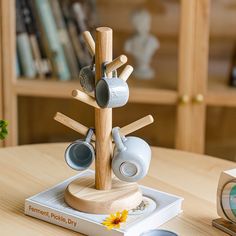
111 92
131 157
80 154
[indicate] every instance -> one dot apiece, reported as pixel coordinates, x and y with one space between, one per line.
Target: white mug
131 157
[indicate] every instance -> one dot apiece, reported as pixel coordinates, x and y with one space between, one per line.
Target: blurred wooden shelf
44 88
220 94
61 89
153 96
181 23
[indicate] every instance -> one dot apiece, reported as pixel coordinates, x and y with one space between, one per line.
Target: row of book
49 37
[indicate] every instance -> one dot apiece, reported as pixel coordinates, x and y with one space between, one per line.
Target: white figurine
142 45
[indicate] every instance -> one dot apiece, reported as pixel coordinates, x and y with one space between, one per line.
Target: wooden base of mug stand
81 195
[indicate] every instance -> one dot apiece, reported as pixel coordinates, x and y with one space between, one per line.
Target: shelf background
41 99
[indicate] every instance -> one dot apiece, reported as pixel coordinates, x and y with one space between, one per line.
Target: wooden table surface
27 170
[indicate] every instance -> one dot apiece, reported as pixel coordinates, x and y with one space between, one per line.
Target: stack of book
48 37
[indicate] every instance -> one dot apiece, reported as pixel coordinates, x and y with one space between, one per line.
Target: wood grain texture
84 97
219 94
8 55
72 124
38 167
186 55
82 195
193 69
200 74
89 42
153 96
80 128
103 117
55 89
116 63
1 83
166 25
124 75
225 225
138 124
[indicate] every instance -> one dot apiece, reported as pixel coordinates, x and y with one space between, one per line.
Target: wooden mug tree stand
102 194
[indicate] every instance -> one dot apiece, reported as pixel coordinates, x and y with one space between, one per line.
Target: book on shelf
51 33
41 63
75 34
24 51
156 208
79 18
64 38
46 63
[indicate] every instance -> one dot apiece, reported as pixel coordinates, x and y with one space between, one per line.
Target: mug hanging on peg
80 154
87 78
131 158
111 92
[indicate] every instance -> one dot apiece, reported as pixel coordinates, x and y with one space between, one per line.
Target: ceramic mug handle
104 74
117 139
89 135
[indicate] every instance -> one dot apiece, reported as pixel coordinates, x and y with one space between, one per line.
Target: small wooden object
83 97
126 72
89 42
138 124
78 127
102 194
116 63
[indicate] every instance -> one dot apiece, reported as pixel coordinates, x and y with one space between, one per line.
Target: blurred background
50 52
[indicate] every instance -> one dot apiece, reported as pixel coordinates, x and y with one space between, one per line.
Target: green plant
3 129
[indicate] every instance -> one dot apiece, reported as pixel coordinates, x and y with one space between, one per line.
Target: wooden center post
103 117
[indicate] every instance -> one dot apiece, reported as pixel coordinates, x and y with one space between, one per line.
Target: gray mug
111 92
131 157
87 78
80 154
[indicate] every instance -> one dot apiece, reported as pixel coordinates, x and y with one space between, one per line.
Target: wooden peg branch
72 124
89 42
116 63
136 125
81 129
124 75
83 97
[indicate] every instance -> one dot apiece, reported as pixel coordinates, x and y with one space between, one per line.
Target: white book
156 208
